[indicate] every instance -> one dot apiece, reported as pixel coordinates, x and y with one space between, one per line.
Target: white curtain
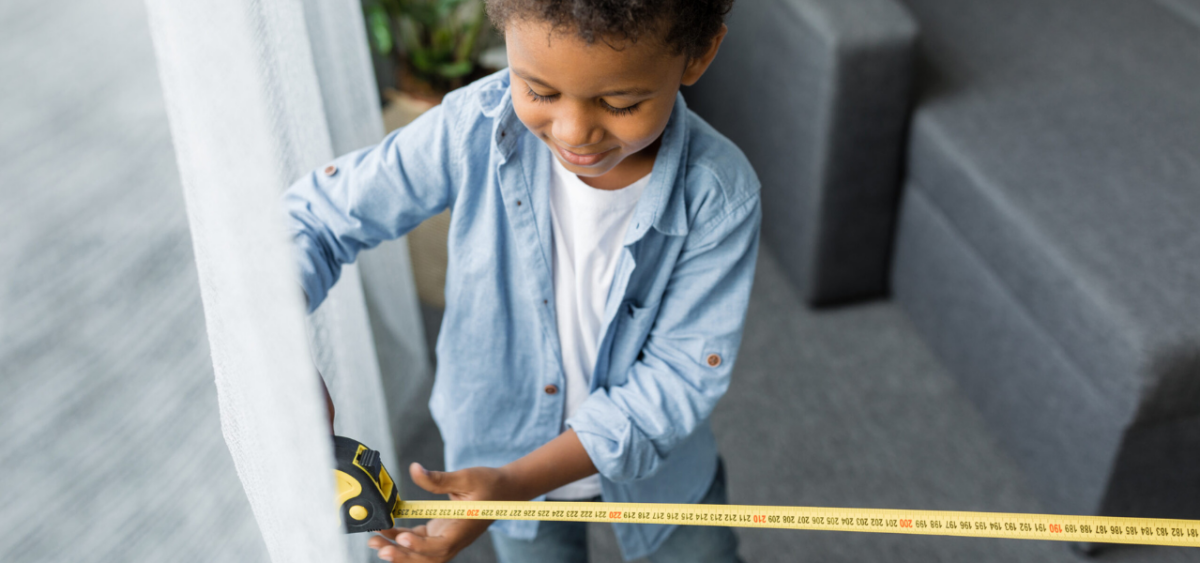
259 92
351 101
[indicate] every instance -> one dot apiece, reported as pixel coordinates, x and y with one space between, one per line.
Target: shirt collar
662 203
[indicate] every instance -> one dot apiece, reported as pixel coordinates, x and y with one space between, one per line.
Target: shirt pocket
633 326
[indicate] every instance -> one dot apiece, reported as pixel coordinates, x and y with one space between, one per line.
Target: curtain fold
253 104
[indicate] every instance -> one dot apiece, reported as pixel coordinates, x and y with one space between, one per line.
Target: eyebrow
616 93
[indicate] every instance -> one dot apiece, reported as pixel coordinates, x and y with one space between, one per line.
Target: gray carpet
848 408
110 445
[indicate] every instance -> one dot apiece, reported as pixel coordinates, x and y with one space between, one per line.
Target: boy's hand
442 539
560 461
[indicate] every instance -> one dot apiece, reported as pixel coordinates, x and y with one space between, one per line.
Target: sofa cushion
816 92
1062 142
1037 401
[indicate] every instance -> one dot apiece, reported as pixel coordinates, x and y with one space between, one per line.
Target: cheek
638 131
535 117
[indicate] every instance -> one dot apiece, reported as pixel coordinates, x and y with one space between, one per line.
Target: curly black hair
690 24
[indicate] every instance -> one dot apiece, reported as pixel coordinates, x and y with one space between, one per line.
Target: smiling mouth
583 159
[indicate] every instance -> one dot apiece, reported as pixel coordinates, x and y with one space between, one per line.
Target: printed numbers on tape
1101 529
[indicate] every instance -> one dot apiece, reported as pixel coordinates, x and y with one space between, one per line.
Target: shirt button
551 389
713 360
330 170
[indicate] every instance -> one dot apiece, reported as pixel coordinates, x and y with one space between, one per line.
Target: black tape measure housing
365 492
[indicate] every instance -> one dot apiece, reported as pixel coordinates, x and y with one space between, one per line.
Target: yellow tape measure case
366 494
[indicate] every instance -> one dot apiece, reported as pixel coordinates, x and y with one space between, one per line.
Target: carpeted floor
110 444
848 408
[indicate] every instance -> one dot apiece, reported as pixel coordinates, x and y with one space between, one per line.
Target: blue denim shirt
671 326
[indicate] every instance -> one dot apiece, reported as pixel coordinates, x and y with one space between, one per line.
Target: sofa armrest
817 94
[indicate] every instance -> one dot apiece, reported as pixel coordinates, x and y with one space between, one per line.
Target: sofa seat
1048 246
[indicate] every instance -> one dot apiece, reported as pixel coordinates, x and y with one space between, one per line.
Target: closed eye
619 111
540 98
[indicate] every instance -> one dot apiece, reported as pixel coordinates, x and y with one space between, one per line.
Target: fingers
389 551
396 553
383 544
379 542
425 545
436 482
413 547
386 544
389 534
417 545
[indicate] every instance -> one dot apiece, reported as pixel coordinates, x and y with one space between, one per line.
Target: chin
599 169
593 172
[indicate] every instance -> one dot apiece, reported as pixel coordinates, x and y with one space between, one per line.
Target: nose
575 130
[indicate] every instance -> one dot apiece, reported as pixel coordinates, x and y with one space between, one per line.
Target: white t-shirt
589 227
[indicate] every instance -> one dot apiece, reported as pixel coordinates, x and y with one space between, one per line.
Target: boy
602 250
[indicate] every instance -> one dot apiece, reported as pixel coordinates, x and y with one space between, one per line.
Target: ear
697 65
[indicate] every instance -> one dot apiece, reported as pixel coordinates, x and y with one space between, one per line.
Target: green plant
437 38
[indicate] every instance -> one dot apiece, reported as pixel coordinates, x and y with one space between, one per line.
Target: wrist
557 463
514 483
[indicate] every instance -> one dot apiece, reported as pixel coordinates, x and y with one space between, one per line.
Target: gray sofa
816 93
1033 206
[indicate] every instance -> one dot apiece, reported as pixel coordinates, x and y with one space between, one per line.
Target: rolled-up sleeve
684 366
368 196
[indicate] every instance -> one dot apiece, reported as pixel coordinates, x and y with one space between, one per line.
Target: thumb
436 482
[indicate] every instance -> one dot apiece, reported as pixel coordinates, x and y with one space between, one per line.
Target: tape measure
365 495
1100 529
377 501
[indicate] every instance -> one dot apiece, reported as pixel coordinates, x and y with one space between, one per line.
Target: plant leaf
456 70
421 61
379 24
443 40
466 42
410 34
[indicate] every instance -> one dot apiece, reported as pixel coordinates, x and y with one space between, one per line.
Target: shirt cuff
620 451
310 279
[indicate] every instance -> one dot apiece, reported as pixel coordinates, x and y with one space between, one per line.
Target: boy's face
597 107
